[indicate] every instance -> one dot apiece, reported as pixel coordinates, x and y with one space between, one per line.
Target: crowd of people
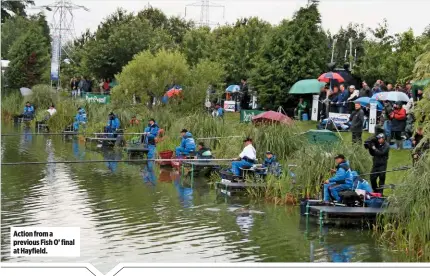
81 85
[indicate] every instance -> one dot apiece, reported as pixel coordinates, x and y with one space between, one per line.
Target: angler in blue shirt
80 119
113 124
342 180
150 133
28 110
188 144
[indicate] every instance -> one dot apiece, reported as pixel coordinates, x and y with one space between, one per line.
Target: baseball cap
380 135
352 86
268 152
339 156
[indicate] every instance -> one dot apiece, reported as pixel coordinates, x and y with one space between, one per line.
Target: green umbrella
420 84
311 86
321 136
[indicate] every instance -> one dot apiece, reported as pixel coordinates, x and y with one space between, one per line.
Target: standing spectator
408 89
333 99
376 89
74 86
90 84
379 149
388 108
106 86
245 94
353 95
390 87
322 102
419 94
365 90
85 86
341 100
102 81
81 86
398 123
357 121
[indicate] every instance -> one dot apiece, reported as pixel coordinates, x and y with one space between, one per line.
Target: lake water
131 212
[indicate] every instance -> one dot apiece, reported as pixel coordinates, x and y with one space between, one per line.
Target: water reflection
148 173
185 193
26 139
112 155
78 151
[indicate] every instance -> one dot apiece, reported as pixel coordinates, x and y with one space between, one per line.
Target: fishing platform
229 188
136 150
325 214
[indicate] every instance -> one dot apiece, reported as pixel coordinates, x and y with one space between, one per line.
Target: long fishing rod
70 133
225 137
102 161
404 168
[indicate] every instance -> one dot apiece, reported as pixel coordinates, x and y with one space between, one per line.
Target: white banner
372 116
341 118
315 104
55 58
230 106
45 241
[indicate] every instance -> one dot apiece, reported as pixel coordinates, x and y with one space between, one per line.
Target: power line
63 30
205 6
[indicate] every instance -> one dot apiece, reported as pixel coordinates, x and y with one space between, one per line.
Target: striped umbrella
327 77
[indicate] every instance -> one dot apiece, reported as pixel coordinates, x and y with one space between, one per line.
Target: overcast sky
401 14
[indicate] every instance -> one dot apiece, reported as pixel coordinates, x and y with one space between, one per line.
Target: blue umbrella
233 88
365 101
391 96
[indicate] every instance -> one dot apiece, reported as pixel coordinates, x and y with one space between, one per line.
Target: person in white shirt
52 110
246 158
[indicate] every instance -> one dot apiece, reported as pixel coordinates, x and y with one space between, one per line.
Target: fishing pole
403 168
102 161
225 137
70 133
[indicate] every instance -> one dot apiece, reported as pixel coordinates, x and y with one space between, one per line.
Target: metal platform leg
321 221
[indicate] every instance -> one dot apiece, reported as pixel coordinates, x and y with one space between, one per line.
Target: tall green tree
15 26
105 57
237 47
10 8
29 59
297 49
377 62
198 44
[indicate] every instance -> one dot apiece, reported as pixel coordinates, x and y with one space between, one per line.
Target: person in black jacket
379 149
357 121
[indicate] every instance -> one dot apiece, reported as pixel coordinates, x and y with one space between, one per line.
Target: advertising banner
246 115
55 62
229 106
372 116
92 98
315 104
341 118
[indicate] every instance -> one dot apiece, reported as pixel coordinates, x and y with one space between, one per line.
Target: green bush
43 96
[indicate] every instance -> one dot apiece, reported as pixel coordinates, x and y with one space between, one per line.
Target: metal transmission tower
205 6
62 30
